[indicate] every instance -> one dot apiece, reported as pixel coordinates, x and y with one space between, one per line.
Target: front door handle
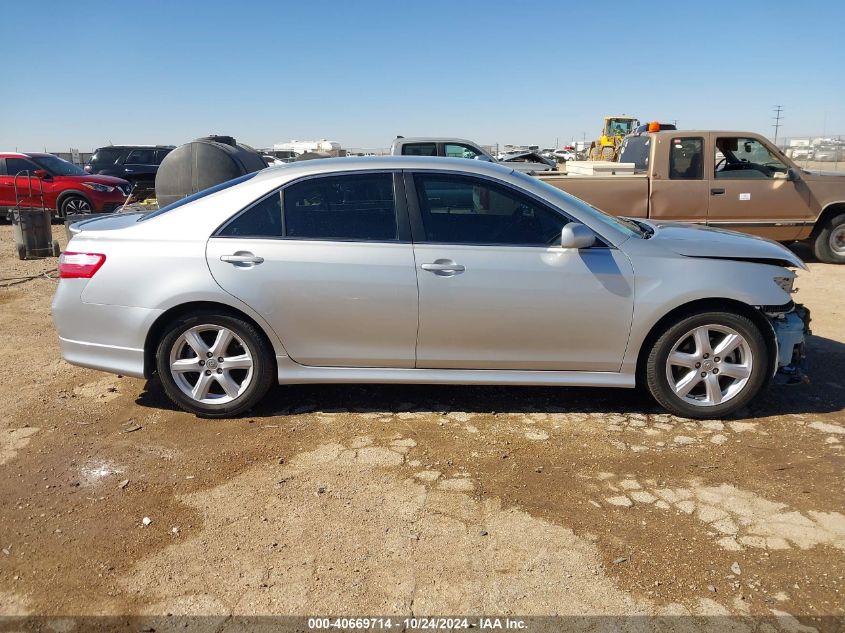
242 259
443 267
718 191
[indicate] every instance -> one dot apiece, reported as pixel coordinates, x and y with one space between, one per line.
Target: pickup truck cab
730 180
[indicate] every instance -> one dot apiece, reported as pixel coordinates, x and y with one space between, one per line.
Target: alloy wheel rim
211 364
709 365
78 206
837 240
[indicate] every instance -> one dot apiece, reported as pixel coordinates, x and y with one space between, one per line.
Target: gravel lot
414 499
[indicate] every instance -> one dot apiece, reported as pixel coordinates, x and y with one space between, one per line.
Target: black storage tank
203 163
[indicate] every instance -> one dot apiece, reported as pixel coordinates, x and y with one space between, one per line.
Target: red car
67 188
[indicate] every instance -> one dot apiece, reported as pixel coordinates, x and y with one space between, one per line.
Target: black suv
136 163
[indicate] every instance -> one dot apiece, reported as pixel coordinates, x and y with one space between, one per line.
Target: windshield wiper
644 230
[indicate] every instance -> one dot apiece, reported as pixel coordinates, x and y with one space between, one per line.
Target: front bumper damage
791 329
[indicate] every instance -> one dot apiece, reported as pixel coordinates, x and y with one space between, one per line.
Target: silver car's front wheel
214 365
707 365
211 364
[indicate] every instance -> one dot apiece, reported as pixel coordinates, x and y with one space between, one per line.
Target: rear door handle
717 191
443 267
241 258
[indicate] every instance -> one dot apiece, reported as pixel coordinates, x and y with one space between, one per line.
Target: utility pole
777 119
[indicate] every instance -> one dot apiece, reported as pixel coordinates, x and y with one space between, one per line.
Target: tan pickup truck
731 180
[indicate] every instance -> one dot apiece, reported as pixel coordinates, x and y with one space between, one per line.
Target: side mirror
483 157
576 235
41 173
791 174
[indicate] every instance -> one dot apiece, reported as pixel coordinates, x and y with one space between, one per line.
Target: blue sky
360 73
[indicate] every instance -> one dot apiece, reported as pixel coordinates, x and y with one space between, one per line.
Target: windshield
628 227
620 127
57 166
198 195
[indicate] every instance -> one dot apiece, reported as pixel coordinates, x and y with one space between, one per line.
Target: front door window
740 158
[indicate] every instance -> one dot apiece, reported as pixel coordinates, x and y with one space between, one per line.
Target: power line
777 118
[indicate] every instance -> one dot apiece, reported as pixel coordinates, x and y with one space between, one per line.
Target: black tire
833 230
73 204
655 370
260 350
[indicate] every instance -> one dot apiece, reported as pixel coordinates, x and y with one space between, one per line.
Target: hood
102 180
692 240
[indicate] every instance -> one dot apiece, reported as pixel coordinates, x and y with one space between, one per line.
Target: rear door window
160 154
686 158
356 207
140 157
15 166
420 149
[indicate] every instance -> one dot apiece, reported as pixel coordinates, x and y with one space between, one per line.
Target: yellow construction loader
615 129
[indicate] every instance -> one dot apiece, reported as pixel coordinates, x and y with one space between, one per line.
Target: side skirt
294 373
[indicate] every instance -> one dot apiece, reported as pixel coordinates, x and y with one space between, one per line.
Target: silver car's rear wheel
214 365
211 364
709 365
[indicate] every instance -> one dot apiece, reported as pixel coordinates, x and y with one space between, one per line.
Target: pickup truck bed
625 195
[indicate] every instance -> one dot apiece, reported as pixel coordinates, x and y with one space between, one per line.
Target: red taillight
80 265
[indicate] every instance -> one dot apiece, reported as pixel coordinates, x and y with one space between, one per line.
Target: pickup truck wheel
829 246
707 365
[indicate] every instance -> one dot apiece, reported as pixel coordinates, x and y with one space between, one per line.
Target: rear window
635 150
198 195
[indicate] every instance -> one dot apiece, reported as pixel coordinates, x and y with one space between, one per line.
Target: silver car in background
422 270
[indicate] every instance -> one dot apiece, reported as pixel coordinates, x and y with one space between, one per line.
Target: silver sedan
422 270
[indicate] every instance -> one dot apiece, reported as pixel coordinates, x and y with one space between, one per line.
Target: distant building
301 147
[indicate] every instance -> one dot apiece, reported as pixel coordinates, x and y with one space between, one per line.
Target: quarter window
466 210
263 219
106 156
354 207
686 159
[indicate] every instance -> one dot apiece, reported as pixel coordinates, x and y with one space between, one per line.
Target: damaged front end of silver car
791 326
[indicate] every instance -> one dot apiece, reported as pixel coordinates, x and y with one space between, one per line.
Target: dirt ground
414 499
